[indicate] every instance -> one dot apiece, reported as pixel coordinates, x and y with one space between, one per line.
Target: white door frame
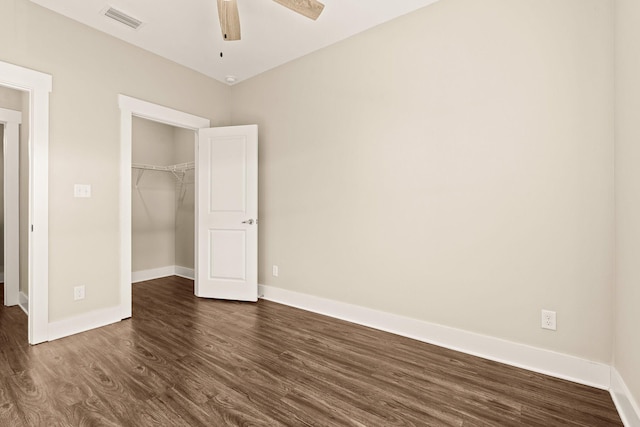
11 120
39 86
130 107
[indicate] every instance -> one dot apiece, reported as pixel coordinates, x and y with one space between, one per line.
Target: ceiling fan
230 20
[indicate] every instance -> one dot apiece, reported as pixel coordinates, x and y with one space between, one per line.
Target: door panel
228 250
228 175
227 209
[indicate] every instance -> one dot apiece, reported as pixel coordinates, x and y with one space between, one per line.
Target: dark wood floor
184 361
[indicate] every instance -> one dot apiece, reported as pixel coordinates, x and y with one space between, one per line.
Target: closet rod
180 167
179 170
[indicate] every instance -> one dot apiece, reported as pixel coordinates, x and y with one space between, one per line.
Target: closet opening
132 109
162 200
14 198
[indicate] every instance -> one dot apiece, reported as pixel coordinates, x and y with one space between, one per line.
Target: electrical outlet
549 320
274 271
78 293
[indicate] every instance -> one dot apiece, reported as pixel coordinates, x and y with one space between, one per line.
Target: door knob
249 221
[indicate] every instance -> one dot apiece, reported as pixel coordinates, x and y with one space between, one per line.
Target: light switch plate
82 190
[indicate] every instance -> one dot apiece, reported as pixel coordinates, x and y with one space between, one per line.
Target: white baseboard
187 273
157 273
84 322
626 405
535 359
23 302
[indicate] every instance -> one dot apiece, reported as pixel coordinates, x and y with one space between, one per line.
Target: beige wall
185 194
10 99
454 165
89 70
627 179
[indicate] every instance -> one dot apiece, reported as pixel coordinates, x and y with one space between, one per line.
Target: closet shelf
178 170
180 167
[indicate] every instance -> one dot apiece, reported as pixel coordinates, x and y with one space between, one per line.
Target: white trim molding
157 273
161 114
23 302
39 86
627 407
187 273
535 359
130 107
85 322
154 273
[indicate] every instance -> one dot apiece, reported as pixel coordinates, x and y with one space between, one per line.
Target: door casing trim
39 86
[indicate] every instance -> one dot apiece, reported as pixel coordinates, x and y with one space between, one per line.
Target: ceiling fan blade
309 8
229 19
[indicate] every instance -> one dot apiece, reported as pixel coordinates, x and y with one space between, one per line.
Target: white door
227 213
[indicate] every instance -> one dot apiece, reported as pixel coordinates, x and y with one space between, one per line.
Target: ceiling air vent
123 18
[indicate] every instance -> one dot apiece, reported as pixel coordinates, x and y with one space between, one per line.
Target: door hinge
32 228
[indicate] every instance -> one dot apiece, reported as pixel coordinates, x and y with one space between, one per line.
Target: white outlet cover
274 271
548 320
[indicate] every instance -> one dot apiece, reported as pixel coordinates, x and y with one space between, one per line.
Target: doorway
162 203
38 86
129 108
13 250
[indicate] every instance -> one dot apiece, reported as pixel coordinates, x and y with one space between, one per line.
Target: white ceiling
188 31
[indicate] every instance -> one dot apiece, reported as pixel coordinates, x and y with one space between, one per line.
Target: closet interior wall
162 222
184 152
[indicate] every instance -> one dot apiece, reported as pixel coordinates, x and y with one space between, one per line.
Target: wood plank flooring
184 361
